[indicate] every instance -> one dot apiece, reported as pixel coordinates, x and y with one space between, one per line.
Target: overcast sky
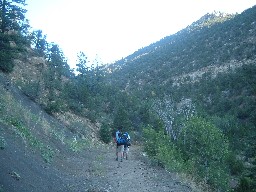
108 30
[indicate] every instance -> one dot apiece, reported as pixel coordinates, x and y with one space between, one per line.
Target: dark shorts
119 148
126 148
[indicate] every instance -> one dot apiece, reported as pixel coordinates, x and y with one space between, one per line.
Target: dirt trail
135 174
93 170
100 172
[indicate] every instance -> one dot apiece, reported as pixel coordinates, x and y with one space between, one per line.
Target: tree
39 42
82 80
81 64
6 54
12 26
121 119
57 62
56 70
12 15
105 133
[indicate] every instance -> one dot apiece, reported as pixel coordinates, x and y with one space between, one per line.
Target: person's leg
117 151
126 151
122 152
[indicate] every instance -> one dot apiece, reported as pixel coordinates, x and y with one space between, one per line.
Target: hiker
126 145
119 145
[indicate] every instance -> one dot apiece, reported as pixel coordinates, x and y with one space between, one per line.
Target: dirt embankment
94 170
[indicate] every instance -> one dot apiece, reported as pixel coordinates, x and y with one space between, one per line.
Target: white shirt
117 133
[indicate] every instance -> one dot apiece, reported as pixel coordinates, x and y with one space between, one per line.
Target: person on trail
119 146
126 145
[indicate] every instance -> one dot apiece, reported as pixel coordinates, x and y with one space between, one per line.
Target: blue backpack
123 140
127 138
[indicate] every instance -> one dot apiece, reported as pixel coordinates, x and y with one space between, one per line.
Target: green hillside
211 64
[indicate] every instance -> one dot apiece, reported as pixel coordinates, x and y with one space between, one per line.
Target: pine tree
39 42
12 15
12 26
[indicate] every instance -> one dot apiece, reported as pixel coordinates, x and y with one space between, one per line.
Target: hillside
32 143
211 62
211 66
213 44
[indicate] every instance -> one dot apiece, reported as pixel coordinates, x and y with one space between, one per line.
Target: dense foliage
201 149
12 27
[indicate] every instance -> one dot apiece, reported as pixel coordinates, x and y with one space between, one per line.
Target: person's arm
117 135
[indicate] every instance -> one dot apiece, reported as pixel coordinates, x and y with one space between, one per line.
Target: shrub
245 185
55 107
31 89
201 150
75 106
205 145
151 138
6 62
105 133
236 166
77 145
159 147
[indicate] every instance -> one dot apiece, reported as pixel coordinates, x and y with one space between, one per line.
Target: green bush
206 146
6 62
151 138
75 106
159 147
55 106
105 133
201 150
31 89
236 166
245 185
92 115
77 145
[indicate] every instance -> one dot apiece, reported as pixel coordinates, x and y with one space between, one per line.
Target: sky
109 30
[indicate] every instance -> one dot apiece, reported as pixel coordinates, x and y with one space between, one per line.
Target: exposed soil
93 170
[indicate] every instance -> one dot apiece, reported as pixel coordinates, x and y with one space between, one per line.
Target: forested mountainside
189 98
212 64
213 41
